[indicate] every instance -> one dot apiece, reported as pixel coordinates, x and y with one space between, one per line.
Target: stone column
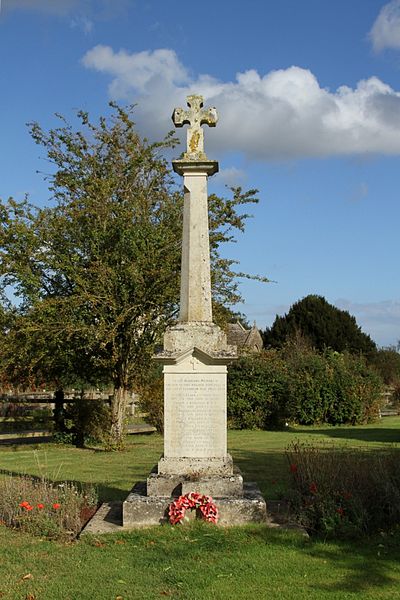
195 359
195 299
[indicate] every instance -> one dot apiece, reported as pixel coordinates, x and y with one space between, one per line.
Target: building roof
249 340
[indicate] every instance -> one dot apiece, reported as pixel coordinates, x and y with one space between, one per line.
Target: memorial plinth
195 359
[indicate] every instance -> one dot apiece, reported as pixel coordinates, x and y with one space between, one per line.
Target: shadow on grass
367 434
269 469
335 567
360 565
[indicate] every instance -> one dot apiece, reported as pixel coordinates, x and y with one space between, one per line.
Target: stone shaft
195 294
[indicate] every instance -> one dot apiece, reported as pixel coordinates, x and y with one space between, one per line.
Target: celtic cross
195 117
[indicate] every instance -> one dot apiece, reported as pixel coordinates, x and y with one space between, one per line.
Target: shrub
87 420
151 397
332 388
301 385
387 363
395 399
43 508
340 492
257 388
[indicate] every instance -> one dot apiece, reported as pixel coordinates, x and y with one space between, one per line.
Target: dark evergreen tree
322 324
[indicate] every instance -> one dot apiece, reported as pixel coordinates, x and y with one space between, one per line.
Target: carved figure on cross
195 117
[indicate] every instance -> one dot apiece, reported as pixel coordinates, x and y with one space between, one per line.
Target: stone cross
195 117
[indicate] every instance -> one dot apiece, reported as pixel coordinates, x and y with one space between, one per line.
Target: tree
387 363
324 325
96 272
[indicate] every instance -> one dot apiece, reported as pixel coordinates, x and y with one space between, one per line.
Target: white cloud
144 72
385 32
83 23
230 176
282 114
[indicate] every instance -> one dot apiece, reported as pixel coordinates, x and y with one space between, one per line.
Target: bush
395 399
257 389
151 397
338 492
332 388
387 363
43 508
86 420
301 385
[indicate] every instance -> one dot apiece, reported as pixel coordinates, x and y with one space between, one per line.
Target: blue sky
308 95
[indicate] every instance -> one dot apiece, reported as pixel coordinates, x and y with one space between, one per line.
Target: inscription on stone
195 415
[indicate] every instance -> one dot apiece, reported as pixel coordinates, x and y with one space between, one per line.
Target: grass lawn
197 561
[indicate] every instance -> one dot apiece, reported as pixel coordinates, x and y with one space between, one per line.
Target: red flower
313 488
340 511
40 506
177 509
29 507
293 468
26 505
56 505
347 495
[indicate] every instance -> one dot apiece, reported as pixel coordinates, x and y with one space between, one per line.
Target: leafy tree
387 363
324 325
96 272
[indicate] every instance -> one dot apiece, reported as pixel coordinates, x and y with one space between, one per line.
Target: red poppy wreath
204 504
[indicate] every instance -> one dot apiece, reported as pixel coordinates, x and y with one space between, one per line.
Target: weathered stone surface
164 485
251 508
195 117
216 487
208 167
108 518
140 511
196 467
195 423
210 485
206 337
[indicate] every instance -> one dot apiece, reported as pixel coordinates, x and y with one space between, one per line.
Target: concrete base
196 467
178 485
108 519
140 510
216 477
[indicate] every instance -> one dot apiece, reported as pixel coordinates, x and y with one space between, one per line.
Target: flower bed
40 507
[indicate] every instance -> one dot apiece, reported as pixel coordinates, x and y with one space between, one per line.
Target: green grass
197 561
